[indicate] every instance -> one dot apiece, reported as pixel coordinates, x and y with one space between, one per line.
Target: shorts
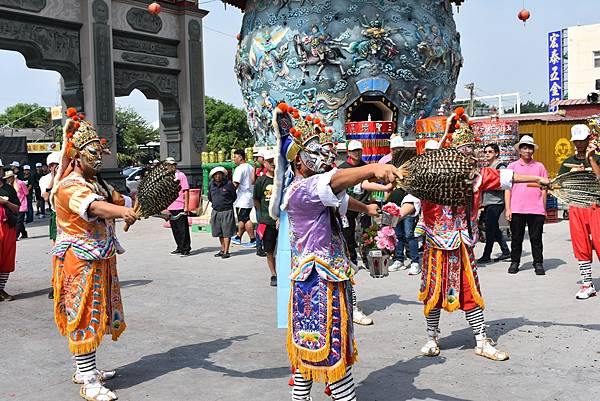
243 214
269 239
222 224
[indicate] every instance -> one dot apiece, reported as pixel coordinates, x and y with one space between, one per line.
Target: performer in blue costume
321 344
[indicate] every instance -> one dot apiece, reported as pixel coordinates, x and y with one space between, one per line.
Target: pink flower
386 231
391 208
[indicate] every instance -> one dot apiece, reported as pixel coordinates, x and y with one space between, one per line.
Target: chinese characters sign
555 82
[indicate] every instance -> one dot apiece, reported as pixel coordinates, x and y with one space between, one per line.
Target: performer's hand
129 215
387 173
590 151
373 210
508 214
543 181
3 200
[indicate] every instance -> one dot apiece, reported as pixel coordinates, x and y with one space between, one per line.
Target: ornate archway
104 49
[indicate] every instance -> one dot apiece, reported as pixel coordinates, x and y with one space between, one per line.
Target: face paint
91 155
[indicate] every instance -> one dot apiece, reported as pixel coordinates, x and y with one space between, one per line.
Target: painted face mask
91 155
314 156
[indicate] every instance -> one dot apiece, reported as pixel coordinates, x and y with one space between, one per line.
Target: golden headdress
458 129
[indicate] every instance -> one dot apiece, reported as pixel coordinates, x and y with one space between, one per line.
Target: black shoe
483 260
185 253
261 253
504 256
24 236
218 255
273 281
539 269
4 296
176 252
226 255
514 268
51 294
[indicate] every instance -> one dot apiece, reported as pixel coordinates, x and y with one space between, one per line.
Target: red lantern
524 15
154 8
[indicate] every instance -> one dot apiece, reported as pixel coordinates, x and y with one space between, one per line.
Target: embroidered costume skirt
8 247
321 341
449 279
87 300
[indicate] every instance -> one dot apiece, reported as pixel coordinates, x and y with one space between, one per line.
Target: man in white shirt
243 181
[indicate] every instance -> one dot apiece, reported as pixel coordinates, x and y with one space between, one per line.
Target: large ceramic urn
359 65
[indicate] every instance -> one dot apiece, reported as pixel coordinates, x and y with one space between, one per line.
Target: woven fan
575 188
444 177
157 190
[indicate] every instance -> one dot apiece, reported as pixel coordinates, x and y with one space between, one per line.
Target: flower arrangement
391 208
383 238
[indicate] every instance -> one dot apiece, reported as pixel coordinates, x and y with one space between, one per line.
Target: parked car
132 181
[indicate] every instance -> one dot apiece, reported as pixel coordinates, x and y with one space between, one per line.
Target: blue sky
501 55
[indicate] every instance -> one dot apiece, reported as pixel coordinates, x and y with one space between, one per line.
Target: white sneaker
360 318
406 264
102 375
397 265
415 269
431 347
486 348
93 390
586 291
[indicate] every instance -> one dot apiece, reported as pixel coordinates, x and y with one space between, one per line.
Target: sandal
431 347
102 375
487 350
93 390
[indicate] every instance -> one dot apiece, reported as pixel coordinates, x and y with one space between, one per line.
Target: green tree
132 130
25 115
226 126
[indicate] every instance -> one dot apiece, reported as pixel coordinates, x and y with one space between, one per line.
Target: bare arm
105 210
375 187
186 201
593 164
346 178
13 208
407 209
523 179
358 206
507 211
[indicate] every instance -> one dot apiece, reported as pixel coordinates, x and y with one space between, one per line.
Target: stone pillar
97 77
191 100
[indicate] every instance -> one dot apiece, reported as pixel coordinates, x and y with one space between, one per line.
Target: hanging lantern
154 8
524 15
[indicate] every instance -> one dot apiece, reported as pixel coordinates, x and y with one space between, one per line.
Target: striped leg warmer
343 389
585 268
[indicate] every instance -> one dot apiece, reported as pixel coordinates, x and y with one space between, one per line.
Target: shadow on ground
376 304
193 356
398 379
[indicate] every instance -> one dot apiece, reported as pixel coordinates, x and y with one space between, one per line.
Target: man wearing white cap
46 183
431 145
526 206
222 195
584 223
396 145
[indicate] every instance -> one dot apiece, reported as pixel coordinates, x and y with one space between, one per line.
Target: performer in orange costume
87 304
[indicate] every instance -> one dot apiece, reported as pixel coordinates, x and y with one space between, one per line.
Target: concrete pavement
202 328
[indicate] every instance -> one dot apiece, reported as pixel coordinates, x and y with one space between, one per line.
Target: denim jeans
405 232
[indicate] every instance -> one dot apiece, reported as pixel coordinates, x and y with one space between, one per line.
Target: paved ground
203 329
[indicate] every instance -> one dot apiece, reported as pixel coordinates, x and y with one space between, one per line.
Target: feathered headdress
77 133
458 129
294 133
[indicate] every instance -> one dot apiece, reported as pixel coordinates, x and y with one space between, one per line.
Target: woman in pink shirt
526 206
22 192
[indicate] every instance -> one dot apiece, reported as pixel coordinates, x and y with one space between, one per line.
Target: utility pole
471 88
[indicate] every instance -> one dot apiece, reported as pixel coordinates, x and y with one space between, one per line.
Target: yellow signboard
56 112
43 147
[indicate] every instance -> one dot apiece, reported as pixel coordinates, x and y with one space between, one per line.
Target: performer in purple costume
321 343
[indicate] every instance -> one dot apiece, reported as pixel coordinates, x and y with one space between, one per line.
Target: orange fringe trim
327 374
438 283
467 263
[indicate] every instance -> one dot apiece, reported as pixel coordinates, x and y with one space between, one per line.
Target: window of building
597 59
